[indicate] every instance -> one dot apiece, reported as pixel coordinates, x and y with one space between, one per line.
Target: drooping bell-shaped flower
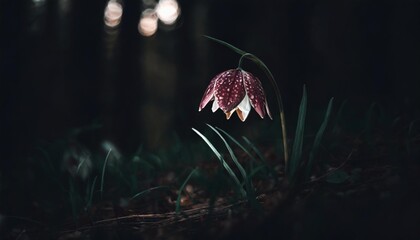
236 90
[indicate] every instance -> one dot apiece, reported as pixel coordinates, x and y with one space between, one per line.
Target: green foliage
90 191
296 160
296 157
247 178
234 158
265 168
254 148
318 138
237 50
336 129
223 162
178 200
79 166
144 192
103 172
253 169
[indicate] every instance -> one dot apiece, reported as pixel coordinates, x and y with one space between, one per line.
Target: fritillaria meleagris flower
236 90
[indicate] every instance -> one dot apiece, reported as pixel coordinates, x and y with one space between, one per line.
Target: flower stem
267 71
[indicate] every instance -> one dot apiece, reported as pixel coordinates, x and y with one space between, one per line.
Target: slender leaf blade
237 143
147 191
103 172
318 138
92 189
255 149
237 50
178 200
296 156
221 159
234 158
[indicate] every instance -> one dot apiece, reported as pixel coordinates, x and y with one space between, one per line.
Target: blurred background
134 71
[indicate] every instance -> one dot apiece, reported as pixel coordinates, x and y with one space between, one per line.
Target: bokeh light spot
168 11
148 23
113 14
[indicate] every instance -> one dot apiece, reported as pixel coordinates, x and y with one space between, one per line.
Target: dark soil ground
366 192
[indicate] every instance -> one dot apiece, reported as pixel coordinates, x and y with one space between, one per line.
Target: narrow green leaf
234 158
250 193
237 143
260 156
237 50
258 152
296 156
255 149
103 172
218 155
256 170
157 160
222 161
318 138
147 191
92 189
178 200
80 165
253 159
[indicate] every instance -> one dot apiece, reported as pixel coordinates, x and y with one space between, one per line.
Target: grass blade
222 161
147 191
80 165
232 154
253 159
296 156
238 144
103 171
318 138
234 158
92 189
255 171
255 149
178 200
237 50
270 169
336 125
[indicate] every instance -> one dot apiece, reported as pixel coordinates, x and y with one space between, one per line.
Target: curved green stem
245 55
267 71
